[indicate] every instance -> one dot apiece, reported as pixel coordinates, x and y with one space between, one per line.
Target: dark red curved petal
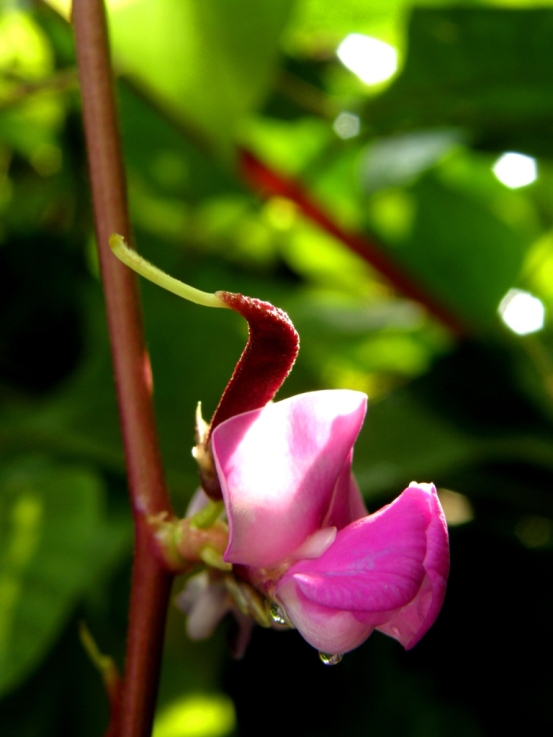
268 357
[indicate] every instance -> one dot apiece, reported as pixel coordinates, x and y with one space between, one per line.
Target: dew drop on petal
277 614
328 659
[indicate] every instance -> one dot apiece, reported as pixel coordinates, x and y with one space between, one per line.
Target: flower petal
375 564
316 544
413 621
329 630
279 468
347 504
205 603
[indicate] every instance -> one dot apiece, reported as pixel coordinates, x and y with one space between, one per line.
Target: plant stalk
150 579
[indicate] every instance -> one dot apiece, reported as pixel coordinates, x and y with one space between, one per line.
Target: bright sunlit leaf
24 50
522 312
211 62
371 60
515 170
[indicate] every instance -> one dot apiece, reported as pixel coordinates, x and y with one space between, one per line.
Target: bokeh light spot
198 715
457 507
522 312
280 213
534 531
372 60
347 125
515 170
46 159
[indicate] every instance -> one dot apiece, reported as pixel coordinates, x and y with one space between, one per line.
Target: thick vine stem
151 580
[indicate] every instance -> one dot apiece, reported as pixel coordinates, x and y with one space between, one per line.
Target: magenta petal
328 630
347 504
413 621
375 564
279 467
387 571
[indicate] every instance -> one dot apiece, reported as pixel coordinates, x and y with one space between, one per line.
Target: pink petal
347 504
316 544
413 621
386 571
279 467
328 630
375 564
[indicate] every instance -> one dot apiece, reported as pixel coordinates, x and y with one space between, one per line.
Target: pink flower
299 530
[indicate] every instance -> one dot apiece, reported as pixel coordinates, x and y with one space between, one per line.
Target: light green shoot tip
135 262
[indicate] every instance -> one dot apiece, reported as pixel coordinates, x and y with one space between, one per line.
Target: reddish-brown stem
151 580
267 181
151 588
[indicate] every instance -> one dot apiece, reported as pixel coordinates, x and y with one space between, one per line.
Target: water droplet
277 614
328 659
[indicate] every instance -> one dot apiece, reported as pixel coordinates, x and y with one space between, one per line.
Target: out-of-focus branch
268 182
23 90
151 579
306 96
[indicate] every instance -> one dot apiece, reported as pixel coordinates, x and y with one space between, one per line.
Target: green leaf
487 70
463 253
212 60
53 547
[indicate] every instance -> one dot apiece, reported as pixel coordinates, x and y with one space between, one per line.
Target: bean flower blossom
300 534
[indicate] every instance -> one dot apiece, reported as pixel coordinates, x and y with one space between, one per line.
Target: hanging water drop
277 614
329 659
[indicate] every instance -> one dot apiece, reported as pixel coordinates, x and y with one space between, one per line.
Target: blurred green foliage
195 82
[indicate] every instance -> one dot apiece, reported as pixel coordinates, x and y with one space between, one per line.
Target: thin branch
151 580
58 82
268 182
306 96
